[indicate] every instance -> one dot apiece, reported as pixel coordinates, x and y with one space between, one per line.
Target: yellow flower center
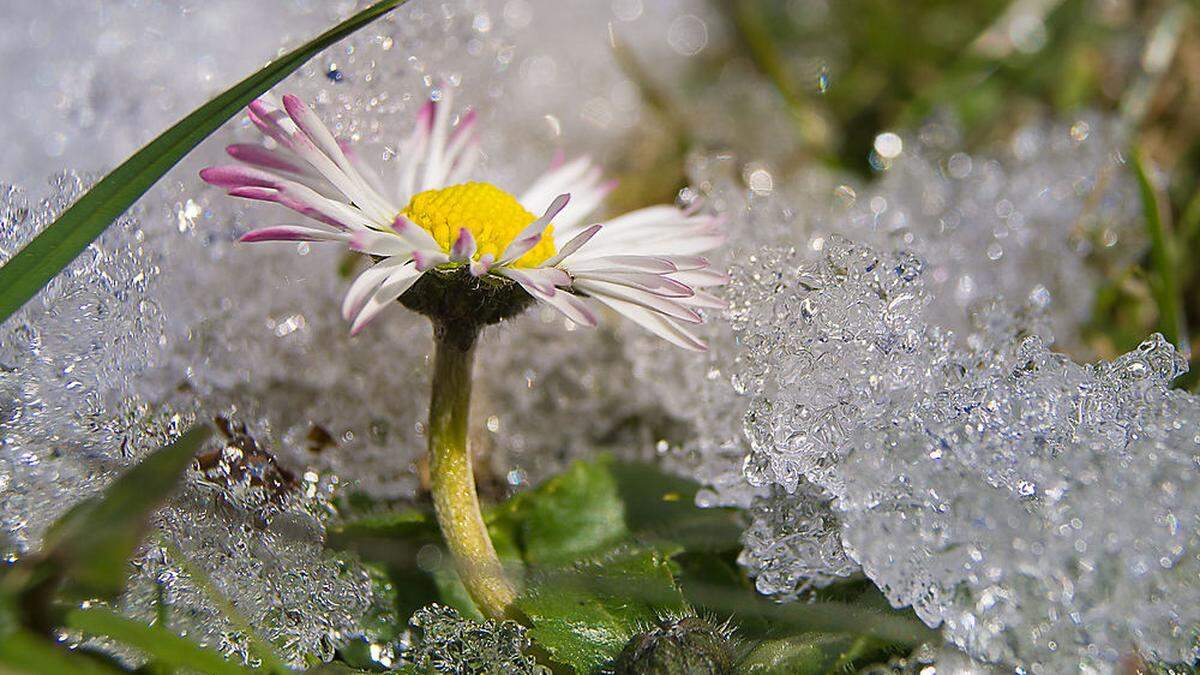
490 214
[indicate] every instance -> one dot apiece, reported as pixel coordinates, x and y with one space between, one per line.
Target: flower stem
452 479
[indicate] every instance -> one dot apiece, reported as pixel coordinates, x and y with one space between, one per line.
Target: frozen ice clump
850 328
254 531
449 643
1042 511
75 368
68 421
793 543
1036 220
1035 227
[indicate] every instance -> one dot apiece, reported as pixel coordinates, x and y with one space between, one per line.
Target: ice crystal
794 542
1036 508
76 368
449 643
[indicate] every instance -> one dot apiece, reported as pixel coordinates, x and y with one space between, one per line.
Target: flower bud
681 646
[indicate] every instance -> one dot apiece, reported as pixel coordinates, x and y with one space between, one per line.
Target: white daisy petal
572 245
388 293
568 304
654 283
532 234
425 260
652 301
655 323
544 279
413 152
379 243
706 300
622 263
413 233
700 278
435 170
368 282
555 181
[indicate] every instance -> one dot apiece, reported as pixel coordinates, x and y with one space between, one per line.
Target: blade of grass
272 662
91 544
161 645
1163 260
27 653
1189 223
52 250
752 26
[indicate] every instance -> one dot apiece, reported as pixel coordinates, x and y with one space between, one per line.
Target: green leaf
758 615
810 654
26 653
661 507
159 644
583 616
574 514
259 646
89 547
52 250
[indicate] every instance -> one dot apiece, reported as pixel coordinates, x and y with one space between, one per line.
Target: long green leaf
27 653
160 644
90 545
1164 258
52 250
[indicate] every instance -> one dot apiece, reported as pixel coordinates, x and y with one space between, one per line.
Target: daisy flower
468 254
460 250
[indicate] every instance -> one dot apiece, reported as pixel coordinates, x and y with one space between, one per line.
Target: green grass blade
160 644
91 544
1164 266
52 250
26 653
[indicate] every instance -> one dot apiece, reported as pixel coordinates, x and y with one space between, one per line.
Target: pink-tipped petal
464 246
269 122
305 202
238 176
425 115
657 303
315 130
290 233
655 323
465 124
573 245
262 194
532 234
425 260
261 156
569 305
480 267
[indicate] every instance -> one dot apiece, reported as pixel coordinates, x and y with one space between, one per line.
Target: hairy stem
452 479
